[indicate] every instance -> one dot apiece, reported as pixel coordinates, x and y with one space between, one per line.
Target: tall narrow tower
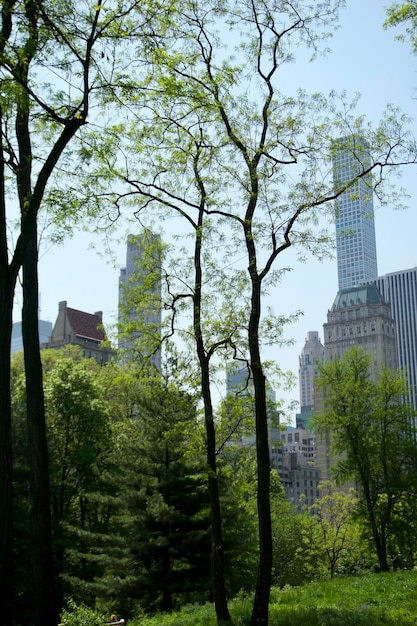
355 226
140 299
311 354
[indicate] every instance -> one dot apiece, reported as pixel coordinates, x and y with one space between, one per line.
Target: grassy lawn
369 600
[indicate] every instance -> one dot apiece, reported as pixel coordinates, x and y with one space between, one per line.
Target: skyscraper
354 214
400 290
359 317
45 329
140 299
312 353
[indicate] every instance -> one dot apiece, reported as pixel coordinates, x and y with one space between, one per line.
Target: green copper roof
355 296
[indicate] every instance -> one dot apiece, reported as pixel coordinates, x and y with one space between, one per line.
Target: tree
74 48
334 512
165 504
370 428
405 13
247 165
79 441
297 554
78 437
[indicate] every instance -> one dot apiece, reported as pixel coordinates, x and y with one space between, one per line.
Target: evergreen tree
167 501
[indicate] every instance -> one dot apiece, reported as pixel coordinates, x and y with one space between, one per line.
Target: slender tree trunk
264 578
6 456
217 547
379 539
7 286
46 609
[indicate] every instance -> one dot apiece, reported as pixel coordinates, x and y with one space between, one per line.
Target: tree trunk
264 578
379 539
217 547
7 286
44 587
6 456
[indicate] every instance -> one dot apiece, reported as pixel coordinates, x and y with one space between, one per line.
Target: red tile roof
85 324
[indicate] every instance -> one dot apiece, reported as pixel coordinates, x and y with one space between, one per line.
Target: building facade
311 354
293 454
399 289
359 317
140 315
81 329
354 214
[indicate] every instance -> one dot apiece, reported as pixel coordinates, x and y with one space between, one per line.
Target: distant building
359 317
399 289
354 214
80 329
140 315
292 450
239 382
311 354
45 329
294 456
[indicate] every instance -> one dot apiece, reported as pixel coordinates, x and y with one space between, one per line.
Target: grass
368 600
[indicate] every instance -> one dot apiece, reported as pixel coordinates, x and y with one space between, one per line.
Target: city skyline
88 278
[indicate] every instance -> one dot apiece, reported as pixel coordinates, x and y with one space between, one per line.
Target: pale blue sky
365 59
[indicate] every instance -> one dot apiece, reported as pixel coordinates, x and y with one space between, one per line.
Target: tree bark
264 578
44 587
7 286
6 455
217 547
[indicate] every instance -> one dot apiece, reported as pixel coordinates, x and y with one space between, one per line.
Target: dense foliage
131 525
370 430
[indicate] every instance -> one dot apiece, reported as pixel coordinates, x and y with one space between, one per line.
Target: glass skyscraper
354 213
400 290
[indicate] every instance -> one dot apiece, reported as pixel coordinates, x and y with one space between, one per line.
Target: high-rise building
354 214
45 329
239 383
294 456
311 354
400 290
359 317
140 299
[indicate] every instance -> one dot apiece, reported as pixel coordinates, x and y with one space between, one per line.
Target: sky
366 59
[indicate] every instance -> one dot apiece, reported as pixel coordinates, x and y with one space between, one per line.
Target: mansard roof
357 296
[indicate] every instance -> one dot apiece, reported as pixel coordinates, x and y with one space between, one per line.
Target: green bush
81 616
